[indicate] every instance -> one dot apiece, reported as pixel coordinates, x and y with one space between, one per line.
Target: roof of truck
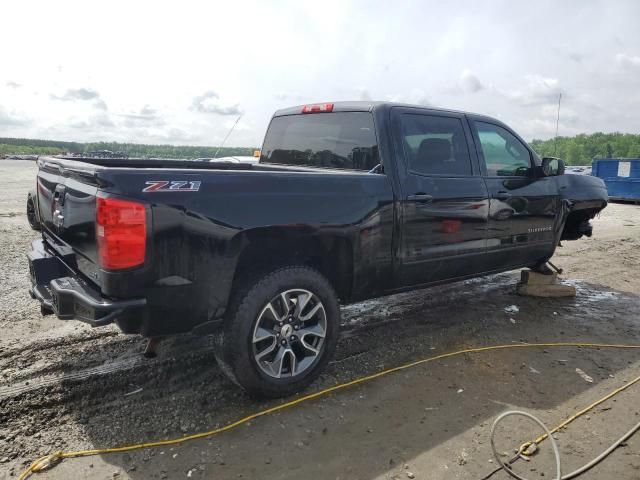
368 106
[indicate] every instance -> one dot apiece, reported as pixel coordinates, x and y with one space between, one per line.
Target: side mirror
552 166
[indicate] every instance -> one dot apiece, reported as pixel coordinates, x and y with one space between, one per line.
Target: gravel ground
66 386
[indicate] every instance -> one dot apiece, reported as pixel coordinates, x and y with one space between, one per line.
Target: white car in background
578 169
237 159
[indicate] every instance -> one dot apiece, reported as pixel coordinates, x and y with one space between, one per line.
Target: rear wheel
280 332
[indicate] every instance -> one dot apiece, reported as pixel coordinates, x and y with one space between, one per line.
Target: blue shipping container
621 175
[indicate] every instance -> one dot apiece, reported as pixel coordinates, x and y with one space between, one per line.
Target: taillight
318 108
121 231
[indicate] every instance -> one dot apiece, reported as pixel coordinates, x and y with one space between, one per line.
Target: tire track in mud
116 354
359 335
94 362
358 320
46 381
53 342
124 353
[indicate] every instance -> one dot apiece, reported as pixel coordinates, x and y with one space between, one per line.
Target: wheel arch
267 248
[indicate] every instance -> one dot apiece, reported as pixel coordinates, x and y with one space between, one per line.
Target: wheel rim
289 334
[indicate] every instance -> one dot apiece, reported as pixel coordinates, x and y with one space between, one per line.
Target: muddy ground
65 386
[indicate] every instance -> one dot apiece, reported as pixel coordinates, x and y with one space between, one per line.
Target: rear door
523 206
444 199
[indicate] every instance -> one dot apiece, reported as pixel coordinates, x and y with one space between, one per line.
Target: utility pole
555 140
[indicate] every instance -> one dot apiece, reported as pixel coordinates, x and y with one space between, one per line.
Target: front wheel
280 332
32 216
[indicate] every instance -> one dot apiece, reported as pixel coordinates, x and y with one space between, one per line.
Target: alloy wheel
289 333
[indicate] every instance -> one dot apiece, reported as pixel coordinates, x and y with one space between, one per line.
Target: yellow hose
49 461
523 448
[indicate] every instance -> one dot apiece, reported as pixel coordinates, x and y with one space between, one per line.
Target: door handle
420 197
502 196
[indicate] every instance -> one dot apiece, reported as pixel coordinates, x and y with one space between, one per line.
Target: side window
504 155
435 145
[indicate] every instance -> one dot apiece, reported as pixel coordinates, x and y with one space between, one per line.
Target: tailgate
67 207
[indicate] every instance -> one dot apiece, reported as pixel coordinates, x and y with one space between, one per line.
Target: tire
32 216
267 346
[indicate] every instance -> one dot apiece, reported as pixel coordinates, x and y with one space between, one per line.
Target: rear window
344 140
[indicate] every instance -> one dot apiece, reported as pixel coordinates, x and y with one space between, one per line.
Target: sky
183 72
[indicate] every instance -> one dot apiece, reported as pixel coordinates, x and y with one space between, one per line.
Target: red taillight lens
121 231
318 108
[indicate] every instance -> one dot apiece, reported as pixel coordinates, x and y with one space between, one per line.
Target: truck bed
181 164
154 163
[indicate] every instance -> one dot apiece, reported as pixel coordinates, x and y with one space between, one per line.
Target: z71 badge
172 186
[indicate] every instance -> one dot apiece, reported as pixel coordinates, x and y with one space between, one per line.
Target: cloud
568 115
94 122
414 97
10 119
364 94
82 95
288 96
103 120
75 94
175 135
100 104
146 116
537 90
12 84
209 102
576 57
469 82
628 60
147 110
445 64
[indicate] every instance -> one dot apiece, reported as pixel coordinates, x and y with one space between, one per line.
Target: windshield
344 140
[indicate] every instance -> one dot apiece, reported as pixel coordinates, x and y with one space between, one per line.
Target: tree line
577 150
9 149
581 149
22 146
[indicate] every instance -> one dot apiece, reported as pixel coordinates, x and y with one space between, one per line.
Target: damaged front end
586 197
578 224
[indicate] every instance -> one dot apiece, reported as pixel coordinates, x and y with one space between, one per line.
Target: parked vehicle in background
578 169
348 201
237 159
105 154
21 157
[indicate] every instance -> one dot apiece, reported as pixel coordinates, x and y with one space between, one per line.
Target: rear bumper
59 290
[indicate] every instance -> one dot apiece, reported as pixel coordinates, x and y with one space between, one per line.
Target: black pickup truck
349 201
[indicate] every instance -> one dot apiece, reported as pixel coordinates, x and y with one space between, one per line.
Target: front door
445 202
523 206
